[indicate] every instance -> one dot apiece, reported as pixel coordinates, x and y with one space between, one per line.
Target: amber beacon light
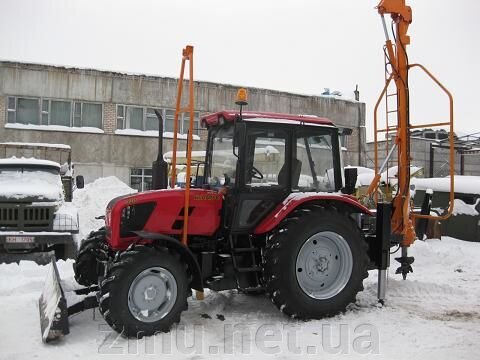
242 97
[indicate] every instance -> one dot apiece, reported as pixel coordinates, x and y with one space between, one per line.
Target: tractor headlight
134 217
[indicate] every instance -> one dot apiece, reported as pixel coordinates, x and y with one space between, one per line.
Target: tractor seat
283 174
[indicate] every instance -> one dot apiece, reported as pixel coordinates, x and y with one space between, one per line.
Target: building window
141 179
151 120
169 121
135 118
60 113
185 122
88 115
144 118
53 112
23 110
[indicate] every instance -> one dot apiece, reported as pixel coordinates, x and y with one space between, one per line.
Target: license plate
19 239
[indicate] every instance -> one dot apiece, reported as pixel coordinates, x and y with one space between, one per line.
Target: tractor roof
214 119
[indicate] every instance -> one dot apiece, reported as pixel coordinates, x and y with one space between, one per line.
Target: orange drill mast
398 58
403 218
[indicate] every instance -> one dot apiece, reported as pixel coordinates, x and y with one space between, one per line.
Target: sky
300 46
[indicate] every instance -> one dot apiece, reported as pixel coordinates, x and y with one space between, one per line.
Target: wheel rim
324 265
152 294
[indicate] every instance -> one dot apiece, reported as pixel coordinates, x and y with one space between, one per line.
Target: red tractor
269 216
271 212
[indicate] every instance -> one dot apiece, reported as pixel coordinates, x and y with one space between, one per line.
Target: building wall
3 110
110 154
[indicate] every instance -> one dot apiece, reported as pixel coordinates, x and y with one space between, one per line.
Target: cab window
314 156
265 160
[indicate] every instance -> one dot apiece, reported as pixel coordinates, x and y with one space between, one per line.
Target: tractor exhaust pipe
159 166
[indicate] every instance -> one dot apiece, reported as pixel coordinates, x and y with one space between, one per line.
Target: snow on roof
32 184
365 177
28 161
183 154
462 184
83 129
47 145
152 133
231 115
361 169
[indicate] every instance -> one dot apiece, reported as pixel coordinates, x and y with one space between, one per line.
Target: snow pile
92 201
66 218
23 182
462 184
460 208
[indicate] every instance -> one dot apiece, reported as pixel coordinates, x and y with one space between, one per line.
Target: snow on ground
435 314
92 200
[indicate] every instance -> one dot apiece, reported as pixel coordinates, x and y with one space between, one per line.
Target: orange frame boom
402 220
187 55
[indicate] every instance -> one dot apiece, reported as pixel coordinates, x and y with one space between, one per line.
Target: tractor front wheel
87 266
144 292
315 263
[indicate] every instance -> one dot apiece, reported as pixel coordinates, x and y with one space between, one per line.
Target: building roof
213 119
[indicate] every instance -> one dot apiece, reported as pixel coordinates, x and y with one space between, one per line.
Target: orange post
173 179
187 55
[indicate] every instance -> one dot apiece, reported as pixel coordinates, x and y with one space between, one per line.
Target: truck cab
36 214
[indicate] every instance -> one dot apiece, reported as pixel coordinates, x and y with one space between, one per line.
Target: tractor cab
258 159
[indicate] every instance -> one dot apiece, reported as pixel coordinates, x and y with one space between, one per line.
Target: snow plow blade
53 307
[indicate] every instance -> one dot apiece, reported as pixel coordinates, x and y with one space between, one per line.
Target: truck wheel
315 263
144 292
87 269
65 251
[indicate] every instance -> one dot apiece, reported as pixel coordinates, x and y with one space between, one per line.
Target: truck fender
296 200
186 255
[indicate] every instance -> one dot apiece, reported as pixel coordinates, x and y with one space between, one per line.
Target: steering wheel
255 173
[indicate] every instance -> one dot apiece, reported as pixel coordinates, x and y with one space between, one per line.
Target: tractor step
219 283
253 290
244 250
248 269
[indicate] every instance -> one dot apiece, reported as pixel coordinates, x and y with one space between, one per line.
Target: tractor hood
161 212
144 196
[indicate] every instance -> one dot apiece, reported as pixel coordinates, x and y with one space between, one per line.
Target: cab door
263 180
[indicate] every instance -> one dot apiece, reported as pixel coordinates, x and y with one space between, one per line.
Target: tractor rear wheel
144 292
315 263
87 269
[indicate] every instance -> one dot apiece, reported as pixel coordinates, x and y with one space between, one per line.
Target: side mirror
80 182
351 175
